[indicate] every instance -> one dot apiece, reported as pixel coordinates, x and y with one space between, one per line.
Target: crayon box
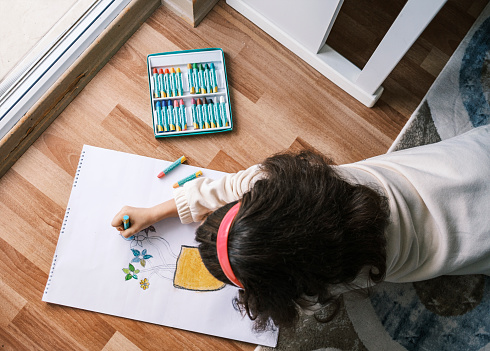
189 92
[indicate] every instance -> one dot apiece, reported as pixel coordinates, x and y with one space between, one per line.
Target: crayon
170 115
189 178
126 222
156 84
182 116
199 113
176 116
194 114
161 85
207 83
195 78
212 118
190 79
158 106
222 111
178 78
166 126
205 115
166 82
181 160
173 85
212 77
216 114
200 77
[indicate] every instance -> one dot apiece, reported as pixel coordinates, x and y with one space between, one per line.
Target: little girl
296 231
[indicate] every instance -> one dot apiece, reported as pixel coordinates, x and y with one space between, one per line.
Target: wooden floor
278 102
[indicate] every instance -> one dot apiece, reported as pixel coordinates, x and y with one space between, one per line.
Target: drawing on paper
191 274
131 272
156 258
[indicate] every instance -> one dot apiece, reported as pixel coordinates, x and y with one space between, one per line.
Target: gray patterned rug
448 313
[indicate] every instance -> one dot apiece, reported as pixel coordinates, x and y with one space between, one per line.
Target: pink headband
222 244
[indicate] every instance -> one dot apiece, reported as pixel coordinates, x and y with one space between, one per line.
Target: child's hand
141 218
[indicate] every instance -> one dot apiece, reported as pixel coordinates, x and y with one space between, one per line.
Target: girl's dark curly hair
299 231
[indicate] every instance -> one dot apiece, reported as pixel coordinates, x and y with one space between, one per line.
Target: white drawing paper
96 269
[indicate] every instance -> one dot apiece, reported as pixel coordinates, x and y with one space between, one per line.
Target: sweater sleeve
201 196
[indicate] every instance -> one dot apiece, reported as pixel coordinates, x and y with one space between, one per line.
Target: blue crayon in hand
181 160
126 222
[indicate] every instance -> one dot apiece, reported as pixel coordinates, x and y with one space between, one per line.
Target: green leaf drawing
125 270
136 271
143 263
131 267
129 276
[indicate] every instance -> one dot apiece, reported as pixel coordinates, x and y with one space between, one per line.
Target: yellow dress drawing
191 274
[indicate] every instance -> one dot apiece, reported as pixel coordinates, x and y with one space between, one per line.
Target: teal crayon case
189 92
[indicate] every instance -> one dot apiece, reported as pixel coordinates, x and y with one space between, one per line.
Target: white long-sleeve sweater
439 198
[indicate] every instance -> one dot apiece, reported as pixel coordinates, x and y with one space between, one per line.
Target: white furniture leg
304 27
410 23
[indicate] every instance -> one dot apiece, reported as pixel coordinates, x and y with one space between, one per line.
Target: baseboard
53 102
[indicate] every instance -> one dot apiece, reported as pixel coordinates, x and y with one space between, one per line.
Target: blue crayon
207 82
212 77
216 114
170 115
156 84
126 222
158 107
